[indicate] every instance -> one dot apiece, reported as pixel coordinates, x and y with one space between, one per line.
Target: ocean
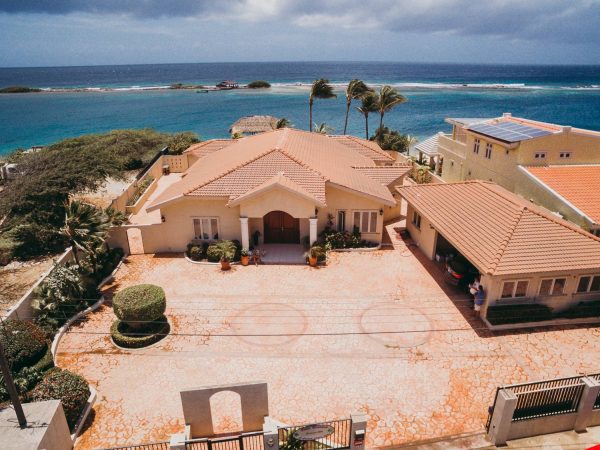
126 96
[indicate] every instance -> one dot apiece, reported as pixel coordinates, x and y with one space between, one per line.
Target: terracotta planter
245 260
312 261
225 265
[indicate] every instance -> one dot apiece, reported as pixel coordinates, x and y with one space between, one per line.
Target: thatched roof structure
254 124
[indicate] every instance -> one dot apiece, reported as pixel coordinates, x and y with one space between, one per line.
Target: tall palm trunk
367 126
347 113
310 121
381 120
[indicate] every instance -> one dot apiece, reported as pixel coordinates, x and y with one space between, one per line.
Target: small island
18 90
259 84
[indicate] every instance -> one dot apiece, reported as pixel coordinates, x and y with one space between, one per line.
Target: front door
281 228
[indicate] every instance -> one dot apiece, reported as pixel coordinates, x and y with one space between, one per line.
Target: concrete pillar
245 233
502 417
271 435
313 230
438 167
177 441
586 404
358 432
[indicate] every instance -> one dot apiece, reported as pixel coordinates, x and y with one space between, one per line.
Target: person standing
479 299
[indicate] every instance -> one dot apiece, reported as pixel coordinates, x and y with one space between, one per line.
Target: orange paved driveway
426 369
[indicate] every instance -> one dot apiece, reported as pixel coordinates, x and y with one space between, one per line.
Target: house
228 84
253 125
504 149
524 253
285 185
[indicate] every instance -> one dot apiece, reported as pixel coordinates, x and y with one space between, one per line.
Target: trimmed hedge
141 303
71 389
125 336
258 84
505 314
24 343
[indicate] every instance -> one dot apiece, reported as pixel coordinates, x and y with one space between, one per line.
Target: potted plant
225 250
245 257
313 255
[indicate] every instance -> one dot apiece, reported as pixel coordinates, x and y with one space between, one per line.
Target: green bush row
125 336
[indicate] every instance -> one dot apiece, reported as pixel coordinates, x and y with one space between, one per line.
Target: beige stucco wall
425 237
277 200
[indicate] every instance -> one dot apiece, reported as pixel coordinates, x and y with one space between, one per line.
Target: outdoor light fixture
163 219
316 211
381 212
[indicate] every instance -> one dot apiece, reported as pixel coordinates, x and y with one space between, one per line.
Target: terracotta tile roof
367 148
576 184
386 175
245 163
279 181
207 147
500 232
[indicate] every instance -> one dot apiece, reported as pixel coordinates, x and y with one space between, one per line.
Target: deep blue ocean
568 95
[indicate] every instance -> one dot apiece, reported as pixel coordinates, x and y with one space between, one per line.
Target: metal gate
246 441
338 439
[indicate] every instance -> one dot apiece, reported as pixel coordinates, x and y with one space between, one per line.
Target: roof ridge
232 169
504 244
359 142
302 163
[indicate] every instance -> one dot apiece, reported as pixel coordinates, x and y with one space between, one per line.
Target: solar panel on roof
508 131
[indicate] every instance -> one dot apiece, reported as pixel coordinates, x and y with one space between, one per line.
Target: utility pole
12 390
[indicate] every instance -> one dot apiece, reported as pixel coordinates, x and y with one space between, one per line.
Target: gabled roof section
429 146
243 165
576 185
370 149
207 147
386 175
279 181
501 233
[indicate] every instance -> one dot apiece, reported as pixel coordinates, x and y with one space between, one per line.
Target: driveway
371 332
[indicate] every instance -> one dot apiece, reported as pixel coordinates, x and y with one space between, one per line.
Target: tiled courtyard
371 332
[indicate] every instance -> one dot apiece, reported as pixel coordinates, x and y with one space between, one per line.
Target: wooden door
281 228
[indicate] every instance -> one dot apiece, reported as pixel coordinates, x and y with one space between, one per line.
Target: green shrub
32 239
106 261
196 253
24 380
24 343
140 189
7 249
71 389
257 84
213 254
126 336
224 250
582 310
504 314
140 304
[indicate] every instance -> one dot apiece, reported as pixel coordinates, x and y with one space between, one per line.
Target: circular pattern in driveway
395 326
268 324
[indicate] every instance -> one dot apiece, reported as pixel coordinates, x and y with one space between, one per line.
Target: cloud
573 21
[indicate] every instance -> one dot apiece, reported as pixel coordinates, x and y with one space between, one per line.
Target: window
341 221
366 221
565 155
589 283
206 228
488 150
476 146
511 289
553 286
540 155
416 220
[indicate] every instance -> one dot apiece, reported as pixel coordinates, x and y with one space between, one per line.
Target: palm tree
355 90
323 128
388 98
369 104
283 123
319 89
85 227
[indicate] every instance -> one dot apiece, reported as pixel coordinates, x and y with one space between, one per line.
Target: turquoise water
564 95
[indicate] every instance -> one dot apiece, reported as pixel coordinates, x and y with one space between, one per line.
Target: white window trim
476 146
587 291
488 150
516 282
359 224
540 155
201 230
552 286
337 220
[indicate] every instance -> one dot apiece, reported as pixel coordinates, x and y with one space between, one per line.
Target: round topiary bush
125 336
70 388
138 305
24 343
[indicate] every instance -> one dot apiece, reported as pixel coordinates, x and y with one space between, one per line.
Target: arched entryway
281 228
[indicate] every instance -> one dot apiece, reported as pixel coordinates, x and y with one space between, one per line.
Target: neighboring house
286 184
524 253
228 84
503 149
254 124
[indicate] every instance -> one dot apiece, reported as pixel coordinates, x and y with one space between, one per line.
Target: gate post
586 403
270 435
358 431
502 415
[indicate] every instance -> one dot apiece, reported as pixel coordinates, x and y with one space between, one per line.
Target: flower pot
245 260
312 261
225 265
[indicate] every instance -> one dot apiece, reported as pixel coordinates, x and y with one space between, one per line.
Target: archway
226 412
136 243
281 228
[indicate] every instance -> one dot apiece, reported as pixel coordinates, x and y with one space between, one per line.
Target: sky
92 32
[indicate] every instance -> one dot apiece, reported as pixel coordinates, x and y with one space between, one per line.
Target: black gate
246 441
338 439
